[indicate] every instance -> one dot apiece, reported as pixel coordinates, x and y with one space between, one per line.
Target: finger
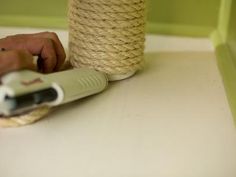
44 48
60 52
15 60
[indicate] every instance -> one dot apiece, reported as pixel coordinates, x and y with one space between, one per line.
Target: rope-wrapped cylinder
107 35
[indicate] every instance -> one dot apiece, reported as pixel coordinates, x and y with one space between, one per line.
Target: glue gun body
25 90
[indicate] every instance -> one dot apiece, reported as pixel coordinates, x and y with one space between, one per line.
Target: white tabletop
170 120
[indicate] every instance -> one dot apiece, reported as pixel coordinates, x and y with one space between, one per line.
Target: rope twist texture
24 119
107 35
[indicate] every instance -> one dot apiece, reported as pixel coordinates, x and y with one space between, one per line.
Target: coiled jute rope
24 119
107 35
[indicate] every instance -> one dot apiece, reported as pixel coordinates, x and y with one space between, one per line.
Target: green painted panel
224 39
34 7
186 12
231 38
231 43
190 17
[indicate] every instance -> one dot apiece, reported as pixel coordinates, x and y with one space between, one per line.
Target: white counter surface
170 120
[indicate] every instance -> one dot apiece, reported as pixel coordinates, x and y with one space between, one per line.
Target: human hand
21 48
14 60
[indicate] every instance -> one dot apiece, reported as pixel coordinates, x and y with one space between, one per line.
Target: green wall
33 13
190 12
231 43
34 7
186 17
231 37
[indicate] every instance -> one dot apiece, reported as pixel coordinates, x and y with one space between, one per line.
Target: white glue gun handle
77 83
